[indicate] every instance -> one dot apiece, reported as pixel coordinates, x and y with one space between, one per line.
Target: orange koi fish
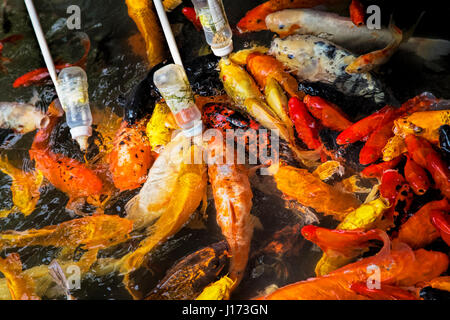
68 175
312 192
131 156
233 200
262 67
21 286
92 232
418 231
399 267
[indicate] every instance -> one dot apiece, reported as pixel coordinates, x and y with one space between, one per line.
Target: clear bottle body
215 25
173 84
73 87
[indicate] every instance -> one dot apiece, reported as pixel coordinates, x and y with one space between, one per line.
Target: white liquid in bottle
74 100
173 84
215 25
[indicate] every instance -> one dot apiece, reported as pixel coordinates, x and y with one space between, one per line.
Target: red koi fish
191 15
391 182
416 177
357 13
377 170
329 114
422 152
441 222
41 74
305 124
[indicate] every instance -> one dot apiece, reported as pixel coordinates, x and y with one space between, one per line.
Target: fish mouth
44 122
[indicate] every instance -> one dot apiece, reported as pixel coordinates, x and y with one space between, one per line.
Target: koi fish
59 277
328 170
367 216
318 60
233 201
394 148
143 14
240 57
219 290
263 67
342 31
372 60
254 20
21 287
329 114
22 118
38 75
377 170
170 5
68 175
169 176
178 175
399 267
424 124
305 125
191 274
357 13
278 102
25 188
131 156
245 93
373 149
191 15
340 246
241 87
310 191
92 232
418 231
416 177
361 130
425 156
160 127
441 223
384 293
391 182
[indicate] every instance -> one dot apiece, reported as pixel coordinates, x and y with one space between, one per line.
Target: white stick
42 42
168 32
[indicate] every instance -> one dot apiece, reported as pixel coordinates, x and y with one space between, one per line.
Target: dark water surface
113 70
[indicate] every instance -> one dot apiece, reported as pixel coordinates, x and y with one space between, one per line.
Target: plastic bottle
173 84
215 25
74 99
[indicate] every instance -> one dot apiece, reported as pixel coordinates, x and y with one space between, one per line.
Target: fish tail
396 32
59 277
408 34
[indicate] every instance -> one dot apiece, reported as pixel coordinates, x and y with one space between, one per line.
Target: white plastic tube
168 32
42 42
